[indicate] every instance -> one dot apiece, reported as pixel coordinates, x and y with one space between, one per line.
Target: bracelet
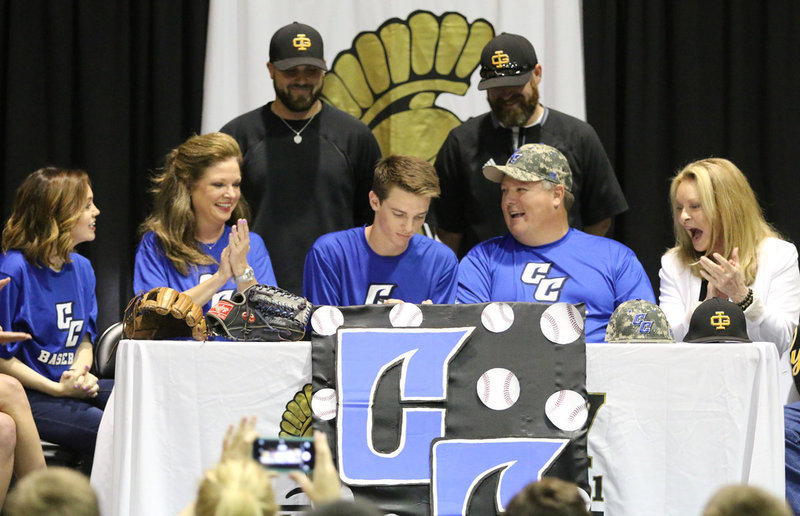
247 275
747 301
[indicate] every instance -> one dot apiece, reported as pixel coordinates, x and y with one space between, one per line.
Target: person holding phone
239 483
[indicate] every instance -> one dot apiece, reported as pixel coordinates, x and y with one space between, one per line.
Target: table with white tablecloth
678 420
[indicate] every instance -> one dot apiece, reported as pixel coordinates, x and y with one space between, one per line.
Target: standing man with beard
307 166
468 210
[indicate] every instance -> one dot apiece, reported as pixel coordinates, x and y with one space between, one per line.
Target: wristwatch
247 275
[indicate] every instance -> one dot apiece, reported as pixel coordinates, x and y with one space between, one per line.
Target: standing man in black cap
468 211
307 166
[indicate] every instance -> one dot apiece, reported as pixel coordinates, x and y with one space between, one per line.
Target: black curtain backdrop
104 85
112 85
671 82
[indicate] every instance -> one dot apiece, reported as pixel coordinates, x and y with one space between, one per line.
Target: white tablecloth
171 405
679 420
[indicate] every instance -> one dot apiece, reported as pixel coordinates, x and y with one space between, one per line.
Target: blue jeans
70 422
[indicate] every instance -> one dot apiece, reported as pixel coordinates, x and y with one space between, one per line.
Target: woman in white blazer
725 248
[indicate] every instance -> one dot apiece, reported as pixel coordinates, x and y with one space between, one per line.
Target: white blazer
774 314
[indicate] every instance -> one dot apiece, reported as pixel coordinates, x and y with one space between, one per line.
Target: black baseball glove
261 312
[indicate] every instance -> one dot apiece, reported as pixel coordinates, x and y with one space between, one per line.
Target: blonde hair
46 206
409 173
172 219
54 491
732 209
237 487
744 500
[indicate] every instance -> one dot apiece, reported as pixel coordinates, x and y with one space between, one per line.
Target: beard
299 98
516 110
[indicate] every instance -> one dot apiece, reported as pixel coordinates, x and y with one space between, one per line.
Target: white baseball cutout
567 410
498 388
497 317
326 320
323 404
561 323
405 315
586 498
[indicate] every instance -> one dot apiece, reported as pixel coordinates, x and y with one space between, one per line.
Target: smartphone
285 453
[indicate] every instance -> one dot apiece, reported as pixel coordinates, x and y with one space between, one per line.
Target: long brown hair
46 206
172 218
732 209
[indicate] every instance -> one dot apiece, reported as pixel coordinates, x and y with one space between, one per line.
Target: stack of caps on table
714 320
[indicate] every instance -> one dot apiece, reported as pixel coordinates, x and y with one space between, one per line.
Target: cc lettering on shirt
219 296
548 290
377 293
65 322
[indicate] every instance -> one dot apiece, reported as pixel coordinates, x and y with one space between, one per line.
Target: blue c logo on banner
363 356
459 465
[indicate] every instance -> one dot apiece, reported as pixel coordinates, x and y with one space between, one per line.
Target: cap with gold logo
296 44
507 60
717 320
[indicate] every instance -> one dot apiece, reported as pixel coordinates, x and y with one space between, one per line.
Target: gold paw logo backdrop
391 77
408 70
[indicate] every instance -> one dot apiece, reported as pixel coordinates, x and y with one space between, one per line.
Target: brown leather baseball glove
164 313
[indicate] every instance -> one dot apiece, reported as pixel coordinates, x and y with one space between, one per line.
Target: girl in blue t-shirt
51 296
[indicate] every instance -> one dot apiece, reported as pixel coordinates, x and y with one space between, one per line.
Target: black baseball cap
717 320
507 60
296 44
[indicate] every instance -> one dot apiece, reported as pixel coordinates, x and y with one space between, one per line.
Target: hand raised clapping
239 246
725 278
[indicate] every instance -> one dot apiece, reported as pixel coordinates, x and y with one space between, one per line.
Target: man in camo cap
542 259
638 320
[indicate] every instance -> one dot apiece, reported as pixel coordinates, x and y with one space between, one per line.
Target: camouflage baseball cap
533 162
638 320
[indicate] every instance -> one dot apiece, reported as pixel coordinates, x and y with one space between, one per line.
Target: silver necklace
211 245
297 138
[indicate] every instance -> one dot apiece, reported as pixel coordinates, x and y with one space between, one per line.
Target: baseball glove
164 313
261 312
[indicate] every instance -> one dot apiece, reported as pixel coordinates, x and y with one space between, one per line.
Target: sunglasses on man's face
506 70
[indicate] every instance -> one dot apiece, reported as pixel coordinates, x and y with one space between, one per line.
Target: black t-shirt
299 192
470 203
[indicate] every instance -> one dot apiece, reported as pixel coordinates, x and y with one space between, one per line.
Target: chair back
105 351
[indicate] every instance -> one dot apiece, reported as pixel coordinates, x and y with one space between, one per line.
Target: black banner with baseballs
438 409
